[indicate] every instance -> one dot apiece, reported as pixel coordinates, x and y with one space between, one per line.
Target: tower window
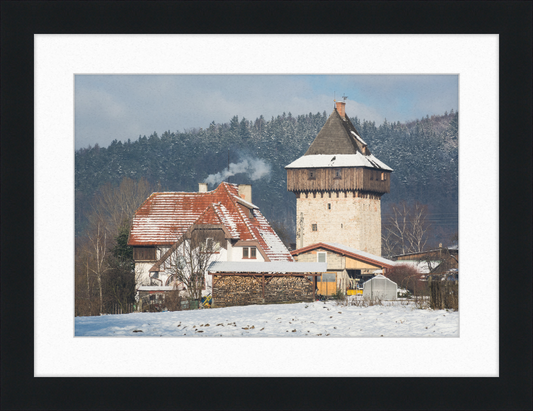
338 174
311 174
383 176
371 174
314 227
329 206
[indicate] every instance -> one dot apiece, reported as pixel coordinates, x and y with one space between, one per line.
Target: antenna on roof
344 97
228 165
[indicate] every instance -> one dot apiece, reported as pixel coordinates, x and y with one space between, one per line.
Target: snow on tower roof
338 160
338 144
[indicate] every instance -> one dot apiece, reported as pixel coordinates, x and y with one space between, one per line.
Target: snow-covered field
318 319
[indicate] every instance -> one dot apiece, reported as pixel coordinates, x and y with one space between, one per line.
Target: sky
122 107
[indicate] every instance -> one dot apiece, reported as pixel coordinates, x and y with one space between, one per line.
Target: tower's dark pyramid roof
336 137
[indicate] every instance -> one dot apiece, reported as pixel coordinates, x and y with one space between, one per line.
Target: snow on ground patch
316 319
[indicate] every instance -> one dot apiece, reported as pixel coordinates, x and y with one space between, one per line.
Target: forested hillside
423 154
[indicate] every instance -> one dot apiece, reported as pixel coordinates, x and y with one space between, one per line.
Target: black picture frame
21 20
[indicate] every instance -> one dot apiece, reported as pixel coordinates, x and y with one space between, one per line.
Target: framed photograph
42 353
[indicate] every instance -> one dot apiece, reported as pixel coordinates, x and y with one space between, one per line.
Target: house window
311 174
383 176
314 227
144 253
249 252
321 257
338 174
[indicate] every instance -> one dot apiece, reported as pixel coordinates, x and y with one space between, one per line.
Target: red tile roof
164 217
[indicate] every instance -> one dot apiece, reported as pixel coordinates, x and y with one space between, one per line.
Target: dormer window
311 174
249 252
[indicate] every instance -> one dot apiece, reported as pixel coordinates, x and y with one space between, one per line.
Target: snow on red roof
164 217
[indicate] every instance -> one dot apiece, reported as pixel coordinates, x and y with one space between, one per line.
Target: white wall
229 253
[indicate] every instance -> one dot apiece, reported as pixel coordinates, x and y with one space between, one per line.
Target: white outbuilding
380 288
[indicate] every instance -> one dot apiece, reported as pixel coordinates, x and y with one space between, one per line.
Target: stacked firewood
288 288
247 290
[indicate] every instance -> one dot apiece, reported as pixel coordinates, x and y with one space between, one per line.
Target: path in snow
316 319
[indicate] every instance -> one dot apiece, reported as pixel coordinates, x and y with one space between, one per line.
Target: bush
408 277
173 301
339 295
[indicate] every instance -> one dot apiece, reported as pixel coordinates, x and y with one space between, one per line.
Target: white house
164 222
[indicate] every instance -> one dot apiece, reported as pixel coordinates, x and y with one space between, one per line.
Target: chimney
202 187
340 108
245 192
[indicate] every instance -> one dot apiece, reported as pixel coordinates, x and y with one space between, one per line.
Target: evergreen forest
423 154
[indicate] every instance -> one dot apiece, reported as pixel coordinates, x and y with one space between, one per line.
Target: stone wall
231 290
348 220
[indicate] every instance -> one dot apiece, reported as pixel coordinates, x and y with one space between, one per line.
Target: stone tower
338 185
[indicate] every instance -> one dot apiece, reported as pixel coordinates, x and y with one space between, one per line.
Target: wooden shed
244 283
350 267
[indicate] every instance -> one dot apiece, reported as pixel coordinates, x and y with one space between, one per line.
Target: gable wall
334 260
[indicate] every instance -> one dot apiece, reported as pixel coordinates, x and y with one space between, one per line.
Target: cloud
126 106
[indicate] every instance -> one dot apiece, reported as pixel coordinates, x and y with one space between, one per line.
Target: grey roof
266 267
363 254
338 136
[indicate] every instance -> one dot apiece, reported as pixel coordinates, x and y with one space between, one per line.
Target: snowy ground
396 319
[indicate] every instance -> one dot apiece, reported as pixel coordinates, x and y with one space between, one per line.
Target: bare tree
406 228
100 265
112 212
114 206
188 259
86 299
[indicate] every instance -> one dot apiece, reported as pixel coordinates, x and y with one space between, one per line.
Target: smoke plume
253 167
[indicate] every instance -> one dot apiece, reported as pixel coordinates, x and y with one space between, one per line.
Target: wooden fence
444 295
116 308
